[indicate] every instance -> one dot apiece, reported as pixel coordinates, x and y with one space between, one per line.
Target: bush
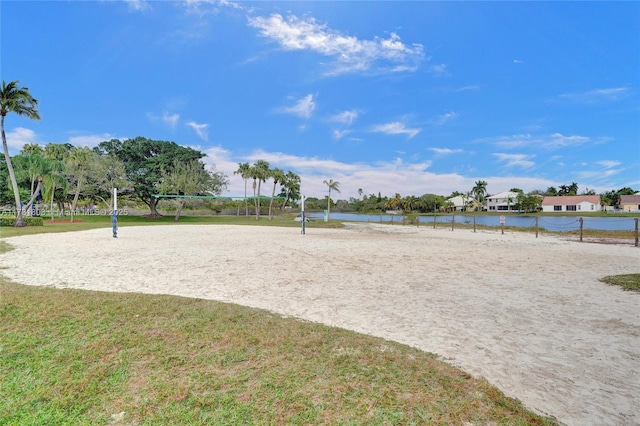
29 221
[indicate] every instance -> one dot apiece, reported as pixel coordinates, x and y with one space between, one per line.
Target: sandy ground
527 314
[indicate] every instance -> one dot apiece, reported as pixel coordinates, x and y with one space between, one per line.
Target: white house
504 201
572 203
462 203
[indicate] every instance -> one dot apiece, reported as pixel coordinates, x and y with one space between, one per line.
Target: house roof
629 199
570 199
505 195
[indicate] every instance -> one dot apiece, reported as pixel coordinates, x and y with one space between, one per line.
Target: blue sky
407 97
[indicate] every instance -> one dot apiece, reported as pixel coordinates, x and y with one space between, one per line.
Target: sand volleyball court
527 314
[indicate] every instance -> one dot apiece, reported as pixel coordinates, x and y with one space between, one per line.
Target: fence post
474 224
453 221
581 223
636 219
536 226
434 221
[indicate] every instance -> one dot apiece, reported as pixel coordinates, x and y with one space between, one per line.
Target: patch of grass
85 357
626 281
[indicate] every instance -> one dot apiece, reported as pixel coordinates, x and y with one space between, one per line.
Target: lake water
550 223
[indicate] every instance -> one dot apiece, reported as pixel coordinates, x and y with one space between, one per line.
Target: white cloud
167 118
470 88
612 94
339 134
19 137
396 128
439 69
345 117
302 108
552 141
200 129
607 164
89 140
386 177
170 119
349 53
558 140
445 151
138 5
516 160
443 119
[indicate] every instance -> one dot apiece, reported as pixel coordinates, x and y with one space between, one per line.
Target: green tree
31 148
393 203
290 188
259 171
479 191
54 179
30 167
145 161
191 178
278 176
19 101
78 164
107 172
333 186
243 171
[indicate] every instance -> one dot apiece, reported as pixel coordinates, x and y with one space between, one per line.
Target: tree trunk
153 207
246 202
14 184
33 197
180 204
74 204
271 202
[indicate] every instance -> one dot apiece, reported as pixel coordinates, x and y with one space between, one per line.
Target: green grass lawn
84 357
72 357
626 281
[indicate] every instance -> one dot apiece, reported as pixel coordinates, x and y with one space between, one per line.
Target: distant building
504 201
462 203
629 203
572 203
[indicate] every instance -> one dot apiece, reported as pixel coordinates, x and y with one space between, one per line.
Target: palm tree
29 167
393 203
78 162
259 171
278 176
55 178
243 171
18 100
335 186
479 191
290 188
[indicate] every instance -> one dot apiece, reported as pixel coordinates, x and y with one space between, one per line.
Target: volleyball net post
302 216
114 213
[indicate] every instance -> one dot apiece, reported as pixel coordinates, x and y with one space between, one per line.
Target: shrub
29 221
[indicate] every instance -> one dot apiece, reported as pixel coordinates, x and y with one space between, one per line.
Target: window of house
571 208
579 207
557 208
592 207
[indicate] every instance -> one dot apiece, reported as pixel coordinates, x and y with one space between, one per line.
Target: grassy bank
84 357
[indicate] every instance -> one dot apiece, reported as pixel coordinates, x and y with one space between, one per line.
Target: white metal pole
303 218
114 213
